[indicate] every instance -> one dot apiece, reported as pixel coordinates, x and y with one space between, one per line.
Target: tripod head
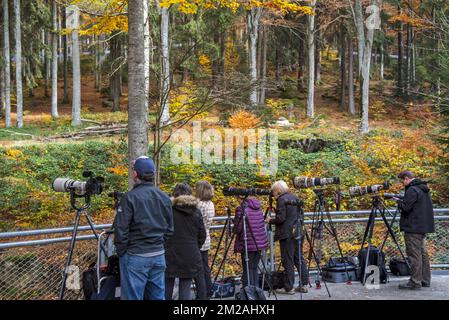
74 196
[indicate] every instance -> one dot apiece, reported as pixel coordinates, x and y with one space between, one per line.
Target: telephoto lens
66 184
306 182
393 195
231 191
358 191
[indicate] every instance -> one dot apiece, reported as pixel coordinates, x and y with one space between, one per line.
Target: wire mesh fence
34 272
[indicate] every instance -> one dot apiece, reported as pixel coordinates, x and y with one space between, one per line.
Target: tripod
298 233
243 219
378 206
79 212
318 225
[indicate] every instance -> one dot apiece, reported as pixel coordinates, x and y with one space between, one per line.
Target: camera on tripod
358 191
306 182
246 192
93 185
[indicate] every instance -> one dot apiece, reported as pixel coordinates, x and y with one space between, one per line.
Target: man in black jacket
416 221
286 221
144 219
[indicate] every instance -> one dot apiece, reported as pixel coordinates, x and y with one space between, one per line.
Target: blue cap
143 166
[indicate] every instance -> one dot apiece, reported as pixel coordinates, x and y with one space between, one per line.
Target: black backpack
399 267
251 293
377 258
276 279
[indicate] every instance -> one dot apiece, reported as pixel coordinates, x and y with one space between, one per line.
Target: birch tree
7 64
137 107
252 22
18 60
54 62
372 23
311 61
165 62
73 22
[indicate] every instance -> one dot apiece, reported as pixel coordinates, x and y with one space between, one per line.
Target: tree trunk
165 77
343 70
382 60
399 66
311 54
263 88
360 33
65 99
7 64
54 62
137 107
114 79
351 76
278 64
364 126
18 36
146 30
76 95
252 21
47 64
318 58
407 62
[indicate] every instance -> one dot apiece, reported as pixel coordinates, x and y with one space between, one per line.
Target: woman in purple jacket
256 237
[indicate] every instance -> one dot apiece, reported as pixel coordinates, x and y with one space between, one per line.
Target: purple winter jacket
255 223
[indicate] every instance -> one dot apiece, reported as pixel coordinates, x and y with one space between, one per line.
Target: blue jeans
142 277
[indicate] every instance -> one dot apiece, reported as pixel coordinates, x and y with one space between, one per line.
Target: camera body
93 185
306 182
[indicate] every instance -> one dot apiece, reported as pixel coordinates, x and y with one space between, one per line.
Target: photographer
144 219
416 221
183 248
285 221
256 238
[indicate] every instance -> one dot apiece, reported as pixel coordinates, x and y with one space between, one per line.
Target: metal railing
31 262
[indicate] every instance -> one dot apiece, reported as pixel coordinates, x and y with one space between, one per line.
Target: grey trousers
415 247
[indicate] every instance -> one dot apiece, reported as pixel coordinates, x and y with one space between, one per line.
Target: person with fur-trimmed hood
182 250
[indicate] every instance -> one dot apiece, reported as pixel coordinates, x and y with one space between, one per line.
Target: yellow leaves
205 63
119 170
183 102
104 25
244 120
14 154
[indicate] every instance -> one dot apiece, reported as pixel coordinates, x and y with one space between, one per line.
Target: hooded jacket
416 209
144 219
255 227
182 250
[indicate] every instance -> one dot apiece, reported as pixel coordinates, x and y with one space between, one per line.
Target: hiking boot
283 291
302 289
425 285
409 286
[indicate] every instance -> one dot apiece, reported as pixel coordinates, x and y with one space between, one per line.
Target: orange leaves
244 120
406 19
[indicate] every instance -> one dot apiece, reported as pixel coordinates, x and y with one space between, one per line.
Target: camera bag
398 267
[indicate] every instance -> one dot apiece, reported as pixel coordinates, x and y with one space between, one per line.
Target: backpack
274 278
377 258
224 288
251 293
398 267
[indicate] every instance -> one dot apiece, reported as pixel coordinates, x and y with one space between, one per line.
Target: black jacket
416 209
182 250
144 218
286 217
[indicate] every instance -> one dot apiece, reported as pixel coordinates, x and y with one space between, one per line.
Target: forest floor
386 112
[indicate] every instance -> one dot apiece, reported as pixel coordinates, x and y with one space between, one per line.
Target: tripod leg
92 227
370 227
316 261
219 242
371 217
390 230
70 255
335 235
